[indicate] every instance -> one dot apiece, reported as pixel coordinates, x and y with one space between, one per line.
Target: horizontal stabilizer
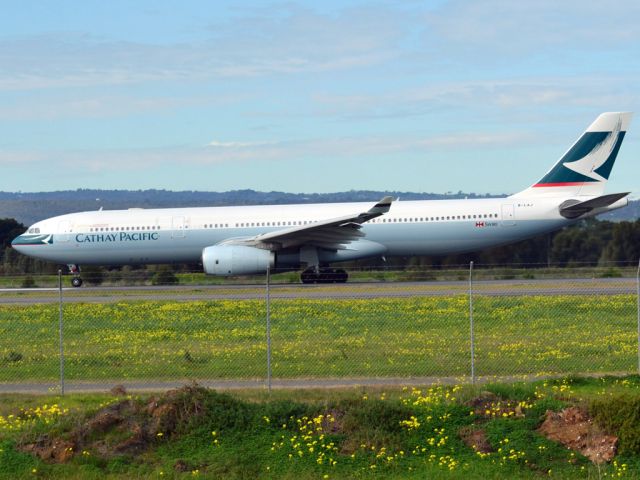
576 208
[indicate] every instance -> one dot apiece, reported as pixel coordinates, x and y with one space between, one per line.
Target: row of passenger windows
303 222
435 219
375 220
123 229
274 224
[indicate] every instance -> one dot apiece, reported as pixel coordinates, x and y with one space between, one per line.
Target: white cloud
609 92
489 28
348 148
80 105
288 41
221 144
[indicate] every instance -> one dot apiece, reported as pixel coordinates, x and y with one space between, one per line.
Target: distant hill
29 208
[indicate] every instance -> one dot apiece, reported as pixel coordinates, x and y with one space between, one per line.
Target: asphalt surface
596 286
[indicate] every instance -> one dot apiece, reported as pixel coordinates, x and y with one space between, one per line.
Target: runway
364 290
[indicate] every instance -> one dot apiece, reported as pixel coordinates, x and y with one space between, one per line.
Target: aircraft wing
333 234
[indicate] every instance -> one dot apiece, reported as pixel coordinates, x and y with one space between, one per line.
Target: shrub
620 416
164 276
28 282
611 272
93 275
13 357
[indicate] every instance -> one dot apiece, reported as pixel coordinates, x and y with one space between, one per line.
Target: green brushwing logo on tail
589 160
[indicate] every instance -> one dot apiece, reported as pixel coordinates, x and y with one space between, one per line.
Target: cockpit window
34 230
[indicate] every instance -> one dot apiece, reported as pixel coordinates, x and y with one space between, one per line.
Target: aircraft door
64 228
178 227
508 215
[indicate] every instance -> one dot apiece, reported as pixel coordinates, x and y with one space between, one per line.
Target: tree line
590 241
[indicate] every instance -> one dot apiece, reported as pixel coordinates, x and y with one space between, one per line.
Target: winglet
378 209
381 207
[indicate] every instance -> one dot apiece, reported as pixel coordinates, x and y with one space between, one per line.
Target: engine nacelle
236 260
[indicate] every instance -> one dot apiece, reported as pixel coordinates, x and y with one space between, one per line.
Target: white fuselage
436 227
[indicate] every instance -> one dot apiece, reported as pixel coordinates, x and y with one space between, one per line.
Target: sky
304 96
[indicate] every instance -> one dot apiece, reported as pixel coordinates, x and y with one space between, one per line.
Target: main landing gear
76 281
324 275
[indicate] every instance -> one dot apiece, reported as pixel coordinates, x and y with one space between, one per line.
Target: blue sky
479 96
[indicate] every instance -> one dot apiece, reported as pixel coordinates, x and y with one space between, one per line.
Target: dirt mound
475 438
51 450
574 429
125 427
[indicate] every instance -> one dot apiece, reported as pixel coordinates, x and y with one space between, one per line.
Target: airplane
242 240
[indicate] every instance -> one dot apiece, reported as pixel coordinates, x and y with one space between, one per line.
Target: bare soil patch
574 428
125 427
475 438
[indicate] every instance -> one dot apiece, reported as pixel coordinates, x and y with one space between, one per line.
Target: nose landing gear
76 281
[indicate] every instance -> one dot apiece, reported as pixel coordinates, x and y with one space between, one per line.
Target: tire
307 277
341 276
76 282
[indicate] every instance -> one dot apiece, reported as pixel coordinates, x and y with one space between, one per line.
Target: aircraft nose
21 243
15 243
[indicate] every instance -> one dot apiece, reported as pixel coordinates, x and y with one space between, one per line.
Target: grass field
354 433
376 337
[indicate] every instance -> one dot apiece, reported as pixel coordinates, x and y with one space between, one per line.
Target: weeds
438 432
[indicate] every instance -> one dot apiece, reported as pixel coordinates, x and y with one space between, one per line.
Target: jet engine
236 260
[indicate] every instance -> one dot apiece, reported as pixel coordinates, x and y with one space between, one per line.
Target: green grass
369 275
353 434
376 337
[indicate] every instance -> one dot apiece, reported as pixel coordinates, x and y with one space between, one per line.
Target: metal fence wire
419 326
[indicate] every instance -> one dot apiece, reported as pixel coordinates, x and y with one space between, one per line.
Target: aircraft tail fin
585 168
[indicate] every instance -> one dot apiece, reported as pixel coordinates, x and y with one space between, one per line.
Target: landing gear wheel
309 276
76 282
341 276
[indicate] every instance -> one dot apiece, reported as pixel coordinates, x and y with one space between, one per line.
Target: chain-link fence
383 327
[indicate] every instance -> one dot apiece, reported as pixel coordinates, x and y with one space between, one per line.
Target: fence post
473 349
268 330
61 332
638 310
